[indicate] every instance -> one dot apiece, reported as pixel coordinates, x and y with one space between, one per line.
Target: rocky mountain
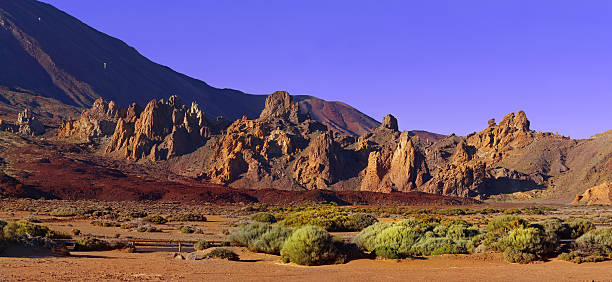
55 67
52 56
284 148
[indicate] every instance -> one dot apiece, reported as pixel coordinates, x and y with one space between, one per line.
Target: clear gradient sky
442 66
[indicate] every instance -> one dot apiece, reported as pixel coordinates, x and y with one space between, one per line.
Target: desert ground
158 262
159 265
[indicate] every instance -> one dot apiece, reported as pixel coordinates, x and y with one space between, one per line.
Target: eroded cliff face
403 169
99 121
261 150
285 149
162 130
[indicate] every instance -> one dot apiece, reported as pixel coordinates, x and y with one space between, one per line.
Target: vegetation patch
202 245
223 253
420 236
310 245
187 217
332 219
264 217
260 237
186 229
91 244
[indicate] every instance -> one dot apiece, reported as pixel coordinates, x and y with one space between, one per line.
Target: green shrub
52 234
75 232
329 218
13 230
105 223
202 245
186 229
461 232
32 219
88 244
264 217
31 229
65 211
597 242
438 246
16 231
187 217
386 252
310 245
146 228
500 227
271 241
399 237
440 231
136 214
359 221
524 245
504 224
157 219
421 236
223 253
579 257
476 241
579 226
366 239
453 211
248 233
554 226
515 256
453 221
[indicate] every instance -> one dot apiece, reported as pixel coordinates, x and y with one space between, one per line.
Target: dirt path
97 266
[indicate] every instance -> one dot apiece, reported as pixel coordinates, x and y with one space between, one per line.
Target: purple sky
442 66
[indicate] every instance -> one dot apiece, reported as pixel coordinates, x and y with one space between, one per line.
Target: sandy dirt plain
157 263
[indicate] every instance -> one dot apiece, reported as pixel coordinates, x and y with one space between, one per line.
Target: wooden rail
151 242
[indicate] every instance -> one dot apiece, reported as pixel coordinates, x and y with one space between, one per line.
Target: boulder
279 105
389 122
598 195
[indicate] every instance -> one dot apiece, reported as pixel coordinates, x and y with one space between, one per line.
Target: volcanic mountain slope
48 53
285 149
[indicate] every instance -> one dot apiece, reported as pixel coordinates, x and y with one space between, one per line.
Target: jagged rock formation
319 165
403 170
598 195
390 122
460 176
493 142
164 129
26 124
98 121
262 150
279 105
285 149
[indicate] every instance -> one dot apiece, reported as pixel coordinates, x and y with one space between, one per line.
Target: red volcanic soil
66 171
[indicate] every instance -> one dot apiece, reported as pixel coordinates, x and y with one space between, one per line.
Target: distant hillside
46 52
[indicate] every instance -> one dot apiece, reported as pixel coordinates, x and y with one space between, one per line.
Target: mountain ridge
55 55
